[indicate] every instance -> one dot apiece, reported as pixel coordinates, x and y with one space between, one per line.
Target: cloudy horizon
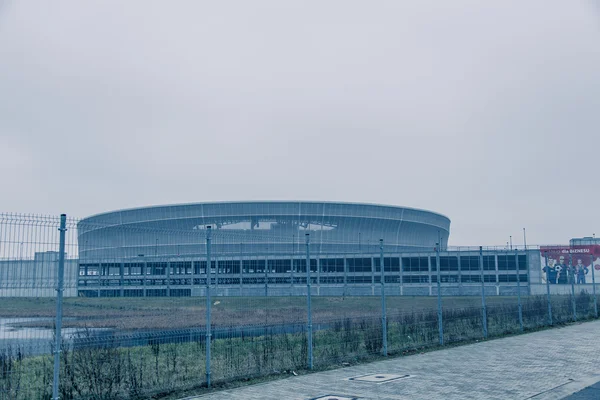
486 112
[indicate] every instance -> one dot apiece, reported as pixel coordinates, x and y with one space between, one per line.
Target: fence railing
54 343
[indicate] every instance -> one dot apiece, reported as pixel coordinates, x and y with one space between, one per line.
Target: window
489 263
447 263
522 263
507 263
415 279
253 266
200 267
300 265
470 278
253 281
280 266
156 268
133 293
469 263
181 292
512 278
229 281
133 268
415 264
359 279
359 264
181 267
229 266
391 264
332 264
445 278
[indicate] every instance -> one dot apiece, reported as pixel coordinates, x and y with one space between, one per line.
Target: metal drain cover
334 397
378 378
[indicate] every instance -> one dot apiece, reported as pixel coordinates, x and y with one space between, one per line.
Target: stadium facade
274 227
259 248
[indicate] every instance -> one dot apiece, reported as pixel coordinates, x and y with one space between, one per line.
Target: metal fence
107 326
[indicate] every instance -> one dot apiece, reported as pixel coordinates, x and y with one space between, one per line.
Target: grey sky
485 111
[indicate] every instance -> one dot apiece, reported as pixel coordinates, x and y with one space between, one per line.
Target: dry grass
185 312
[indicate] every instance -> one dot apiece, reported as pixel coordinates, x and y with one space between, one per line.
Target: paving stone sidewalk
544 365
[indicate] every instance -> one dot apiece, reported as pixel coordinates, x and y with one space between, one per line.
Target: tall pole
483 305
548 290
241 269
439 291
59 298
524 239
208 304
383 307
594 286
308 304
519 290
510 240
570 275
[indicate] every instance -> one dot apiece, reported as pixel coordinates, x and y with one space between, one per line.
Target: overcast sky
485 111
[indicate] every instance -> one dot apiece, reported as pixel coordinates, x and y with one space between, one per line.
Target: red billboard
566 264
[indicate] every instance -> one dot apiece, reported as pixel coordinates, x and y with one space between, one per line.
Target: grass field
185 312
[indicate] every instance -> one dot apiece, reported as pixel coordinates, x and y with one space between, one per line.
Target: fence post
383 308
548 290
594 286
208 328
439 292
483 306
59 298
308 304
570 275
519 290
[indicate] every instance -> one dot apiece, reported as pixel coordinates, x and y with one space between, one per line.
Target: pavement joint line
551 389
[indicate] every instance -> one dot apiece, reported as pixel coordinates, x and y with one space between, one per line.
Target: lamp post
383 307
308 304
208 304
439 292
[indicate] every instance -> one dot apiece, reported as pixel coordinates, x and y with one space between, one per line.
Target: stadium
259 227
261 248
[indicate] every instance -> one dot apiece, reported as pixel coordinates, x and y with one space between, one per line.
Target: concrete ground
546 365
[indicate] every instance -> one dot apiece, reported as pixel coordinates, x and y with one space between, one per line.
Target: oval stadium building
258 227
257 248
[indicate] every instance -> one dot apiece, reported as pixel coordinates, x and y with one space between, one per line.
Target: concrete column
292 275
266 273
122 279
459 273
144 279
345 275
497 280
318 259
429 273
318 276
168 278
372 276
401 282
216 276
241 275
